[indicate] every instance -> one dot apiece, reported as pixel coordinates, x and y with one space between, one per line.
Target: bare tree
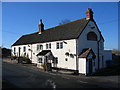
64 21
115 51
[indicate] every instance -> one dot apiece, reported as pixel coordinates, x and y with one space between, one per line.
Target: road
29 77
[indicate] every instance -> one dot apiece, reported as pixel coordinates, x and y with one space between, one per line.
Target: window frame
24 49
38 47
14 50
57 45
46 46
61 45
41 47
49 45
92 36
40 60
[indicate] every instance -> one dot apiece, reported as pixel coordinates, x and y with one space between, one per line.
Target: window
24 49
92 36
40 60
66 59
49 45
55 60
46 46
39 47
14 50
59 45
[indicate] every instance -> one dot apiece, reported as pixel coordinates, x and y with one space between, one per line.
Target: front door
90 66
49 67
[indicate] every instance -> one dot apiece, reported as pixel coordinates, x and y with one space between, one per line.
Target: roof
71 30
43 52
66 31
86 52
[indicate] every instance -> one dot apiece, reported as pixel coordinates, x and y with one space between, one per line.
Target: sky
20 18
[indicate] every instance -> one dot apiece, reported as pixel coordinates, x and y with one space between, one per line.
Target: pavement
27 76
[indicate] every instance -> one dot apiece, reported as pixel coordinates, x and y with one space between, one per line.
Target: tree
116 52
64 21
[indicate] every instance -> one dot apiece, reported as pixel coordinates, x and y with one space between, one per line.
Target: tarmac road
29 77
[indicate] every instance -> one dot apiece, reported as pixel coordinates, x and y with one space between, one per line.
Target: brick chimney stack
89 14
41 27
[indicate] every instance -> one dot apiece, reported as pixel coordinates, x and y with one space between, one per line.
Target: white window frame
59 45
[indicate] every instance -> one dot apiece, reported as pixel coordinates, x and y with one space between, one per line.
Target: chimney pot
89 14
41 27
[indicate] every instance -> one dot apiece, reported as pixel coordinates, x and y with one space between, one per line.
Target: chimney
41 27
89 14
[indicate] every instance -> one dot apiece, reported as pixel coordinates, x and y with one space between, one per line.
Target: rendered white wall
84 43
60 53
82 65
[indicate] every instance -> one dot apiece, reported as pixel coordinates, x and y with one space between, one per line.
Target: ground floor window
40 60
55 60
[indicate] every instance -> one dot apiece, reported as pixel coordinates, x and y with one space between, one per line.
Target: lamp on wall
64 42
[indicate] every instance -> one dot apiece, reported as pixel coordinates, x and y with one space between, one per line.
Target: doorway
90 66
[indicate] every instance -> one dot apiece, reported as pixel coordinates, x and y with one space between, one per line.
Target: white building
77 45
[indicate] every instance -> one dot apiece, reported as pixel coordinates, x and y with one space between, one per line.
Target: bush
13 57
24 60
44 66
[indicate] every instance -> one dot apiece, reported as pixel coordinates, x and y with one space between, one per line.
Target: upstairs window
24 49
59 45
14 50
39 47
48 46
92 36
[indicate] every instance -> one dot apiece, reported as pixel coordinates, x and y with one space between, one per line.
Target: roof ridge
55 26
65 24
30 34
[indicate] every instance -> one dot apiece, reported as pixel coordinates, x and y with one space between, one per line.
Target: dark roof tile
66 31
85 52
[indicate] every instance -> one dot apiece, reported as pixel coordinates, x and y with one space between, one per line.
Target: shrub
13 57
44 66
24 60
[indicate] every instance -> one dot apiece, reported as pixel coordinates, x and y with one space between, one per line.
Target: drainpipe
77 57
98 52
31 52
